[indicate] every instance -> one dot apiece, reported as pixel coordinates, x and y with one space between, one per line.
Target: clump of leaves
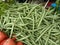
32 24
57 9
3 6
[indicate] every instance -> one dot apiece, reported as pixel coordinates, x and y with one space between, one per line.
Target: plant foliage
31 24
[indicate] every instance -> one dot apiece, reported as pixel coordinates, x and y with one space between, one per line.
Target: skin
3 36
19 43
2 42
9 42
